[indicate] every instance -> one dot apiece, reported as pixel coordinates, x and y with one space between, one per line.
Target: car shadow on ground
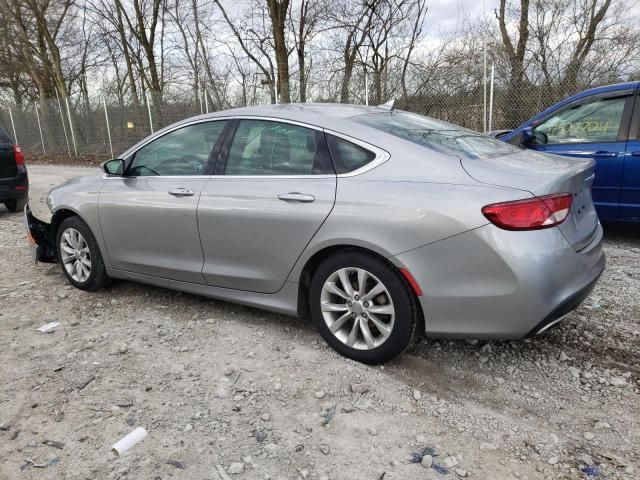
626 233
4 211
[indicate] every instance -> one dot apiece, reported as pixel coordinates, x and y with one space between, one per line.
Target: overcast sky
446 14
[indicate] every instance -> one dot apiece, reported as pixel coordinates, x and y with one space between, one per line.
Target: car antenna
388 105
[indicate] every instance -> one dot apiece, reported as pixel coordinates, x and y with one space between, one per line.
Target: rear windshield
441 136
4 138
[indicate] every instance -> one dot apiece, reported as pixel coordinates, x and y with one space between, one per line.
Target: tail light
17 152
530 214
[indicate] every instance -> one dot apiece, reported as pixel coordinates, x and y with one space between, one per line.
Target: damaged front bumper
39 233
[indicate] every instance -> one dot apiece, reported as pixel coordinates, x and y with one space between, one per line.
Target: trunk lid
543 174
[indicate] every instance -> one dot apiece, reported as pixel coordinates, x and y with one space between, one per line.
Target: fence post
200 99
366 87
104 103
73 135
66 139
146 95
484 110
206 100
491 98
44 152
13 125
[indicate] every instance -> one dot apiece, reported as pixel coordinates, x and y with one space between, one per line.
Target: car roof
319 114
339 110
607 88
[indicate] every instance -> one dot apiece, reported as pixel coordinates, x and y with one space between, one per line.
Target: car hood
87 184
78 181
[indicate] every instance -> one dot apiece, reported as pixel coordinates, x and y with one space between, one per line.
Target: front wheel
80 256
363 307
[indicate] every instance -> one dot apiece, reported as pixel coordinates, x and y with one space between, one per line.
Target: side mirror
528 136
114 167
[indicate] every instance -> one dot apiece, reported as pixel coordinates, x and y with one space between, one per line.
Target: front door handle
296 197
635 154
603 154
181 192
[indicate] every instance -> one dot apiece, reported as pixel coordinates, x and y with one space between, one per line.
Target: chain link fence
99 129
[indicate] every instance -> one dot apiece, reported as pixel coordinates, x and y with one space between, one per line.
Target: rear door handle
603 154
296 197
181 192
635 154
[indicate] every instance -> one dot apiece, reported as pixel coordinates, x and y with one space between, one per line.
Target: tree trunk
278 13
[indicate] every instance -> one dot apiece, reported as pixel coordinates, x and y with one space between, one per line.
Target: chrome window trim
210 177
381 156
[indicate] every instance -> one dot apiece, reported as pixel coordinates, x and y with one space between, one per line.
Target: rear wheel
363 307
80 256
16 204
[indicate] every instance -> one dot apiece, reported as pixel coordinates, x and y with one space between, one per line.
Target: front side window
182 152
263 147
437 135
595 121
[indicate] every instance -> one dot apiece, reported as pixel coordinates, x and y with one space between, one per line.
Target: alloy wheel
357 308
75 254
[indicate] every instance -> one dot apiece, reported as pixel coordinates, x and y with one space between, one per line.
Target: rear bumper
15 187
564 309
491 283
40 236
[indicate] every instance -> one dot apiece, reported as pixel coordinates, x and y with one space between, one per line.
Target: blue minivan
604 124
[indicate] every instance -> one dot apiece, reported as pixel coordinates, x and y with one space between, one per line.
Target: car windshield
441 136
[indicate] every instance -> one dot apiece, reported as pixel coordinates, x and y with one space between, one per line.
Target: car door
148 217
275 188
594 127
630 193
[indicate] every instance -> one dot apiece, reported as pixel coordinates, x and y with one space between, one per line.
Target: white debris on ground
226 391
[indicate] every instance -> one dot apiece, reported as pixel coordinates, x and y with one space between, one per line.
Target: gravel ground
232 392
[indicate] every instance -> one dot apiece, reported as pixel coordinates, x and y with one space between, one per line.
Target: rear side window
348 156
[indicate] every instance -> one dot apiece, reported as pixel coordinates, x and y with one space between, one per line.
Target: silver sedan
375 223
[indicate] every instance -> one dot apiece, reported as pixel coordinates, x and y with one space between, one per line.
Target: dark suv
14 181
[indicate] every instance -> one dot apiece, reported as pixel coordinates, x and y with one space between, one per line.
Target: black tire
16 204
98 277
404 303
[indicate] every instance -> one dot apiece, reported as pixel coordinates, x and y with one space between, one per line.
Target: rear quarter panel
391 217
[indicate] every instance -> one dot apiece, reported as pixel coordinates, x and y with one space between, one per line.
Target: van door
630 192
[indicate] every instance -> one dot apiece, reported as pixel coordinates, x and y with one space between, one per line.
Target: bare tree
278 11
351 23
305 23
256 43
515 54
